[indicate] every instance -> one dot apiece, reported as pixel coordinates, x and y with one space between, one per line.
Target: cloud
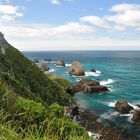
70 30
59 2
56 2
126 15
97 21
9 12
80 34
120 8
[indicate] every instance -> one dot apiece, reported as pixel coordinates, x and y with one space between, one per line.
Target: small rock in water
138 105
35 60
48 59
123 107
136 115
43 67
60 63
76 69
93 70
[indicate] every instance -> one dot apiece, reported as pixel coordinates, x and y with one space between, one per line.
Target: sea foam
68 65
51 70
90 73
107 82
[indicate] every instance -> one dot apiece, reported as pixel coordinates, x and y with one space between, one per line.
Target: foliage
33 120
31 103
61 81
28 81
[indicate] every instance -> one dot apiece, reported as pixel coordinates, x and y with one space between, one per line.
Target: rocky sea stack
87 86
123 107
77 69
60 63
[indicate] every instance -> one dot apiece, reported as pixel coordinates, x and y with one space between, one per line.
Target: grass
31 103
30 120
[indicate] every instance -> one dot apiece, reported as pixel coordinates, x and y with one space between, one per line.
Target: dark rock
60 63
48 59
138 105
89 82
36 60
75 111
136 115
89 86
123 107
77 69
71 90
93 70
43 67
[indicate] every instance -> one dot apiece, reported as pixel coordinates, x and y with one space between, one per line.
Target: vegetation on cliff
31 103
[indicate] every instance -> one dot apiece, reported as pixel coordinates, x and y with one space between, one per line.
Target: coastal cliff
32 103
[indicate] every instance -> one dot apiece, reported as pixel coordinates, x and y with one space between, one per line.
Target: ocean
118 70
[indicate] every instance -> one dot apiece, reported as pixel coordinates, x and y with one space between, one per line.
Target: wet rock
72 112
123 107
136 115
60 63
75 111
93 70
71 90
48 59
43 67
35 60
77 69
138 105
89 86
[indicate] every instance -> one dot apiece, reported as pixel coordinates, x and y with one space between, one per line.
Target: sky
38 25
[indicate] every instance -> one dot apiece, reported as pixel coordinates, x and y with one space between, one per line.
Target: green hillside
27 79
32 103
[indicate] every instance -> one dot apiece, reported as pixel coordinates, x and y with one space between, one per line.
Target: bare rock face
123 107
87 86
60 63
77 69
3 44
136 115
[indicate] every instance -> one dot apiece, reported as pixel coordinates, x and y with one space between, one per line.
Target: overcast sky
71 24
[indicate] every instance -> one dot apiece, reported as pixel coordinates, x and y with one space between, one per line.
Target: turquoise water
119 70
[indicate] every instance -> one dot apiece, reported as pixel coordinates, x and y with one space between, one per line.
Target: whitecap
68 65
107 116
99 72
51 70
59 66
94 135
78 79
111 104
107 82
89 73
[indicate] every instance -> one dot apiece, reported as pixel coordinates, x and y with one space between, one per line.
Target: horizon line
72 50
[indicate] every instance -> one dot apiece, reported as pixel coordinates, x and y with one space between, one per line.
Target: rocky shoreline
96 129
85 117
